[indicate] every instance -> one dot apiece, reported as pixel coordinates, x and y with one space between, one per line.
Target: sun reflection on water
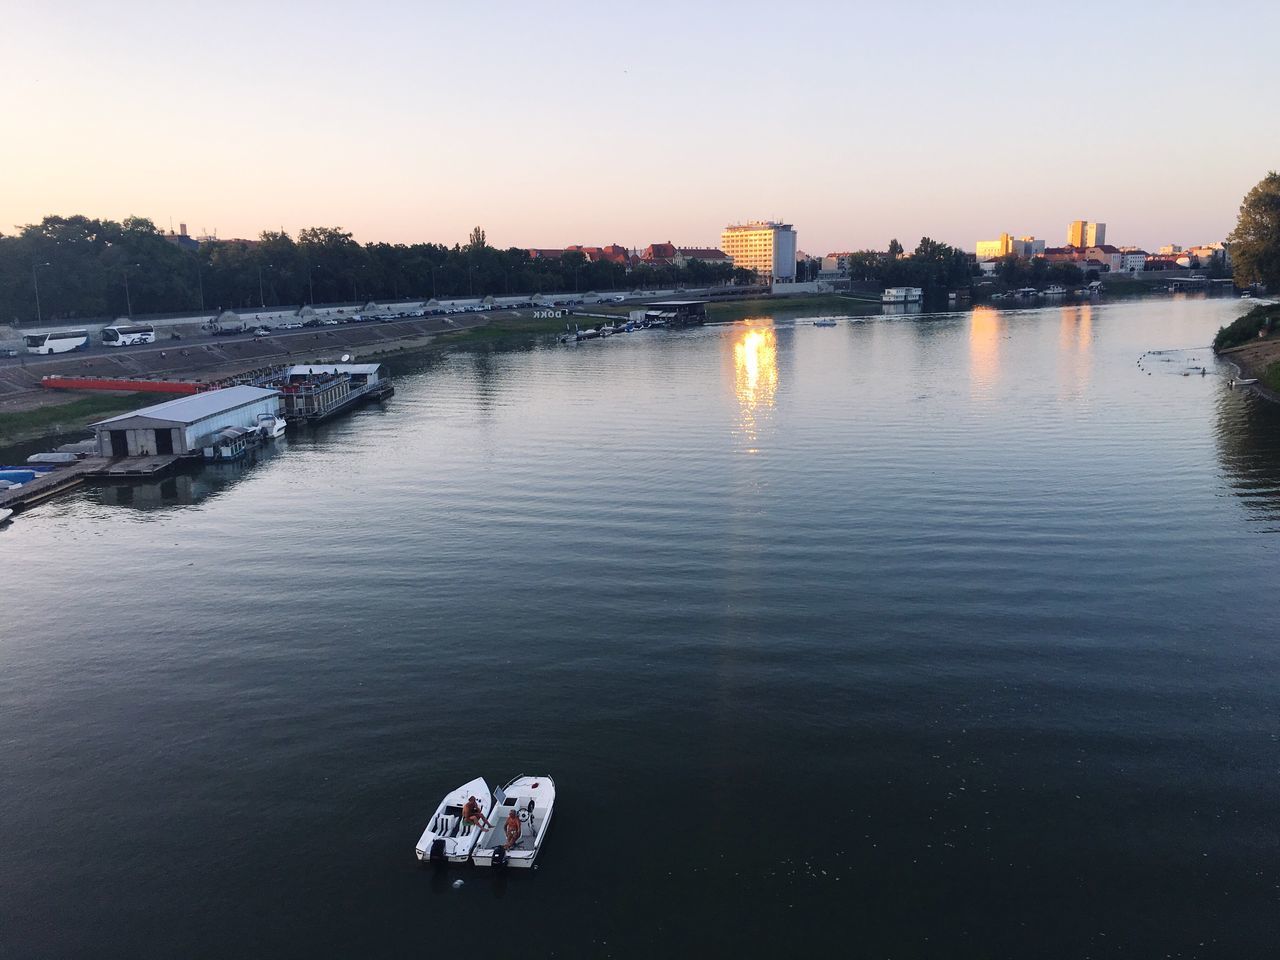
986 327
755 376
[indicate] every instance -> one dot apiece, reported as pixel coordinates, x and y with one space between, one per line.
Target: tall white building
1083 233
765 246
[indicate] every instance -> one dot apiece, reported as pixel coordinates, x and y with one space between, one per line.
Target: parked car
291 326
8 353
261 332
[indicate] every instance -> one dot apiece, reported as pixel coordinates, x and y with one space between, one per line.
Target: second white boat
521 816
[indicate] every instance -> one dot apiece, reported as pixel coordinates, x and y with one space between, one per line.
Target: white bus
57 342
127 336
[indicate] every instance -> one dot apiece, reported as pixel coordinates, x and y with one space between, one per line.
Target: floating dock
67 478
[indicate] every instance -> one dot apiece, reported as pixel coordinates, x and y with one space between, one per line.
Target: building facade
764 246
995 249
1082 233
668 254
183 426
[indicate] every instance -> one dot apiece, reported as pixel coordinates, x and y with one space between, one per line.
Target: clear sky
555 123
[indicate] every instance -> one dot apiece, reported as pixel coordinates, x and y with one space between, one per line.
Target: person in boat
512 827
472 813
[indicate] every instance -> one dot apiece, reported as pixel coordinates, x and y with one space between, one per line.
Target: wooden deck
59 481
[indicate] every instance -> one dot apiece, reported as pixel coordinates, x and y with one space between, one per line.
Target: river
923 636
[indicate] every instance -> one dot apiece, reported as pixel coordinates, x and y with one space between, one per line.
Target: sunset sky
559 123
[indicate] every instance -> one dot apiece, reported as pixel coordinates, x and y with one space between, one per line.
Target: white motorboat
447 838
531 800
270 425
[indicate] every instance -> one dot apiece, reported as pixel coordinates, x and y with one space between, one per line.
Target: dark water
934 637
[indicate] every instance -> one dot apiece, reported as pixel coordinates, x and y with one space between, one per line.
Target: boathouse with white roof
181 427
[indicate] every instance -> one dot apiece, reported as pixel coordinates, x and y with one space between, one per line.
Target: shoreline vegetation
52 420
1252 343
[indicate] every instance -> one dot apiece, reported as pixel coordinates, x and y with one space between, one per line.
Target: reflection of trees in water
1248 436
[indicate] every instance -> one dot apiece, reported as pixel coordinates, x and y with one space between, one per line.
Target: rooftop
197 407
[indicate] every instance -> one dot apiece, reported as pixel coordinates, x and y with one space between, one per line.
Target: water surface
915 637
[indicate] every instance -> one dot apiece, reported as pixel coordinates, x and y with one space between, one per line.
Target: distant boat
1053 290
902 295
1028 292
824 323
1243 382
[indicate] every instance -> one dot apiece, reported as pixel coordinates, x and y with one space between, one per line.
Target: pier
67 478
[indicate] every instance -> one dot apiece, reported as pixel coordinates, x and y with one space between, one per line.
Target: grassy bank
1263 319
69 417
506 328
758 306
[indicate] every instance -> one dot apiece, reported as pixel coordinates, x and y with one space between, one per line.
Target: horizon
560 130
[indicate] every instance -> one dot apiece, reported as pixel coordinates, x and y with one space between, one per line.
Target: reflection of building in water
1075 349
191 486
755 375
986 327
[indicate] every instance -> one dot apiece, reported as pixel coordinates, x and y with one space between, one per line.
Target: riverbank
1258 356
36 413
71 416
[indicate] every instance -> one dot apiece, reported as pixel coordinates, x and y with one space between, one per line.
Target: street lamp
311 286
36 284
262 300
128 299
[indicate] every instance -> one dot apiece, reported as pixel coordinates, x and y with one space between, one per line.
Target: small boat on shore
448 839
1242 382
5 514
531 800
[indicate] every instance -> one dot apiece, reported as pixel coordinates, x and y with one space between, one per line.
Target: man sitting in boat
473 814
513 829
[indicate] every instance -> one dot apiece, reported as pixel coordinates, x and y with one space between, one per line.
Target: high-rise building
1082 233
994 249
1028 248
765 246
1025 248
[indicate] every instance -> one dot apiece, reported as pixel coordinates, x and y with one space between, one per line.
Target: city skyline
548 130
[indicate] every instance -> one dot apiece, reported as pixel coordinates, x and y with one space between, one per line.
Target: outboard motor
499 856
437 850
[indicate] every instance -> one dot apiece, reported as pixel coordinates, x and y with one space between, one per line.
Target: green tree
1255 242
476 243
895 249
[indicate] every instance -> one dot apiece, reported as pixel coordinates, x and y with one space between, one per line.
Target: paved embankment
210 358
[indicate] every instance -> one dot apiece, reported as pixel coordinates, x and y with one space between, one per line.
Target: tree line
78 268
